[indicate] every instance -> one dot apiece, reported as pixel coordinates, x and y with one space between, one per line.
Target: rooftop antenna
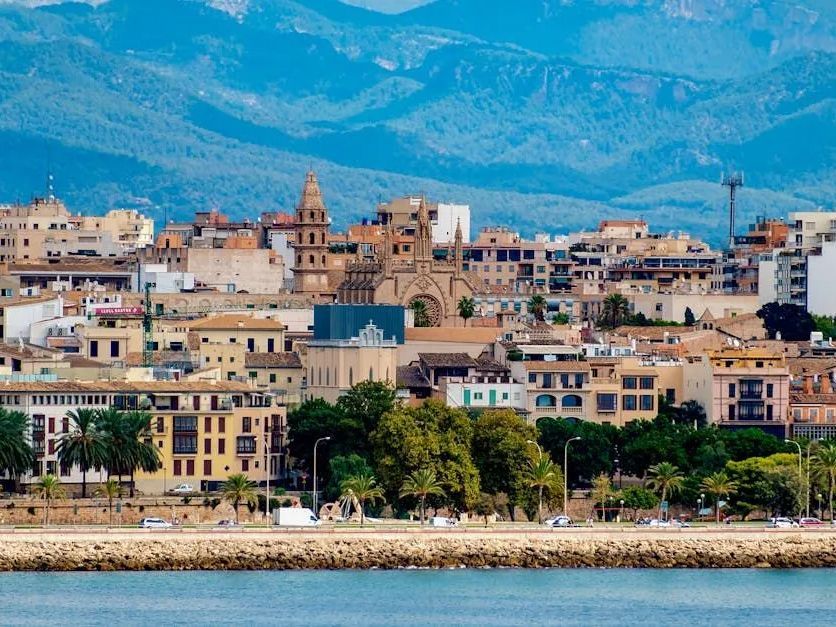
732 181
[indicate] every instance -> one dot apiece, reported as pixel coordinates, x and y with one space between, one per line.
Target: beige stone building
255 335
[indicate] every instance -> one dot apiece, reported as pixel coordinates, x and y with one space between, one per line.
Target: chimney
826 384
808 384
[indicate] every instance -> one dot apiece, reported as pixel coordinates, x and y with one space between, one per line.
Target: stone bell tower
310 269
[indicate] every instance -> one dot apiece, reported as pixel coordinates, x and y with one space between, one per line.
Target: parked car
781 523
183 488
227 523
442 521
560 521
810 522
678 522
154 523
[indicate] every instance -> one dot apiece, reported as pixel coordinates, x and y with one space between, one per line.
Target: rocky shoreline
387 552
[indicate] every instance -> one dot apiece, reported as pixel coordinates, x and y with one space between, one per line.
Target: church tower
423 238
310 270
458 253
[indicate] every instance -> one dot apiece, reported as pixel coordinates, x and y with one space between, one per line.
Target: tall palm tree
84 446
237 489
362 487
16 454
143 455
49 488
544 475
615 310
825 464
421 315
110 489
719 485
466 308
536 306
111 424
602 490
421 484
665 478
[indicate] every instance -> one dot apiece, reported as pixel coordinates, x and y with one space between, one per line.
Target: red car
810 522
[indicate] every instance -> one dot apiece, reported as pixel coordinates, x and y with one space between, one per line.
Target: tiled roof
812 399
160 358
237 321
78 361
272 360
411 377
652 333
127 387
810 365
556 366
486 364
447 360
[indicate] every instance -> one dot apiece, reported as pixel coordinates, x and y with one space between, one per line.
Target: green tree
614 312
500 451
601 492
824 463
363 488
466 308
537 306
690 319
84 446
561 318
826 325
421 484
544 476
110 489
691 414
49 489
16 454
141 454
314 419
420 313
239 489
342 467
110 423
596 456
769 483
665 478
485 506
365 403
636 498
719 485
793 322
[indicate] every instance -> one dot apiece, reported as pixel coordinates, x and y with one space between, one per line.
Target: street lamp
617 463
800 479
807 487
621 512
821 513
315 493
702 502
539 450
699 508
267 467
566 474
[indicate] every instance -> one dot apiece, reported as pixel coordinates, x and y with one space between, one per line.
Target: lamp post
702 502
315 493
539 450
807 487
621 511
821 513
566 474
699 508
799 463
617 463
267 470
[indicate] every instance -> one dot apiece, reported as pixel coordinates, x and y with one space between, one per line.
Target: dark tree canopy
794 323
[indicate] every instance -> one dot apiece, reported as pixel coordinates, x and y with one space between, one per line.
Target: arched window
546 400
312 216
350 376
320 376
327 376
323 238
312 238
571 400
311 259
323 260
298 260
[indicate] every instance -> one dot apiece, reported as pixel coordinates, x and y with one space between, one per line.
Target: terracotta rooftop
411 376
126 387
236 321
812 399
27 300
272 360
810 365
556 366
477 335
486 364
447 360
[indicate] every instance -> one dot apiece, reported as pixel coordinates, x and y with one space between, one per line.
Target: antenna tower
732 181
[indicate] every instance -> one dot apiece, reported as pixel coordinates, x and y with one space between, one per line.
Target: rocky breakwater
302 551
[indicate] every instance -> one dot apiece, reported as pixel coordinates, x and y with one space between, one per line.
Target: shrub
187 500
287 503
306 499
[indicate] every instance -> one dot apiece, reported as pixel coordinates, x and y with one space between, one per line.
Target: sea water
427 597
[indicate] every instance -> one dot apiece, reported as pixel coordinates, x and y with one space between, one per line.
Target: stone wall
318 550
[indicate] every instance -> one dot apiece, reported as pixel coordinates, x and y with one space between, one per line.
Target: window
646 402
532 377
273 377
246 424
813 412
207 467
207 424
185 424
245 465
221 446
245 445
629 383
160 424
207 446
232 340
796 413
732 390
646 383
114 348
477 396
178 468
271 345
628 402
670 395
731 412
607 402
94 348
185 444
769 412
221 424
770 390
190 467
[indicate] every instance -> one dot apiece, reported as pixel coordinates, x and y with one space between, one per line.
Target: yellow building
280 373
256 335
336 365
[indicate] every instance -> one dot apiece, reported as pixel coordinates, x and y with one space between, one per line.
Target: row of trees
117 441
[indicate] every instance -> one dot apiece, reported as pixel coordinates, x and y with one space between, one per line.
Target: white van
295 517
441 521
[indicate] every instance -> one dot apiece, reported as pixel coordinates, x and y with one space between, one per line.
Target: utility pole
732 181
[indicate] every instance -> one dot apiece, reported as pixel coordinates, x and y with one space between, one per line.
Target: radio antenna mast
732 181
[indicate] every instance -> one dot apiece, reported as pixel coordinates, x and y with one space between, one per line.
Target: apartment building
809 233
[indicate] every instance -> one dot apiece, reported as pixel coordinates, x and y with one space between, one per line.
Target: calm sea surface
450 597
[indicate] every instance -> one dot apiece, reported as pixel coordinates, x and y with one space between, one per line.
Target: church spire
423 234
458 254
386 249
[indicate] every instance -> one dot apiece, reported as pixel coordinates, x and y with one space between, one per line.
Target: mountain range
541 114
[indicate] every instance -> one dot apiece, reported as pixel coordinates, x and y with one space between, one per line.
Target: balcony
245 445
559 411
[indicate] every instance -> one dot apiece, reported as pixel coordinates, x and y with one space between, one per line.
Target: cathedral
439 285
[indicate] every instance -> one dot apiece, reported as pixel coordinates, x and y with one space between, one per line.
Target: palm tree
666 478
16 454
825 465
719 485
143 454
543 475
238 488
466 307
362 487
111 425
537 307
84 446
615 310
421 484
49 488
601 491
419 310
110 489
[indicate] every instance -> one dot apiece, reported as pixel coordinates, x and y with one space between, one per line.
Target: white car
559 521
154 523
441 521
183 488
781 523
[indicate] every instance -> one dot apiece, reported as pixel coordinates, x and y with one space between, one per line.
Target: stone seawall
426 551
